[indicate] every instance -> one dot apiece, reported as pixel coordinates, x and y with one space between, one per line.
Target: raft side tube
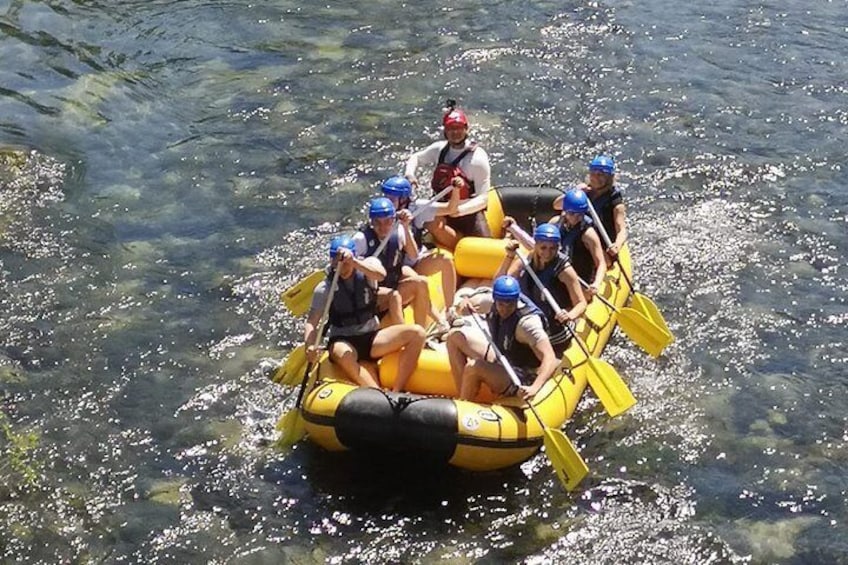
529 205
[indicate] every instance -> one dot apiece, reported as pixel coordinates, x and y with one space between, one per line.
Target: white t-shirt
475 165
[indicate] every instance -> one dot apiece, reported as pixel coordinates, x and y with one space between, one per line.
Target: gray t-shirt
319 297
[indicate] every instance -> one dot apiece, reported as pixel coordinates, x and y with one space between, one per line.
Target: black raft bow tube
371 419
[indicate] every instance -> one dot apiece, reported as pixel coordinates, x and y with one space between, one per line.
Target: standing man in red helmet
462 163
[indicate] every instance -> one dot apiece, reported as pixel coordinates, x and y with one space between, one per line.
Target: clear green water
168 167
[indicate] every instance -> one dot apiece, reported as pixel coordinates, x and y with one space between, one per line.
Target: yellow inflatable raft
428 421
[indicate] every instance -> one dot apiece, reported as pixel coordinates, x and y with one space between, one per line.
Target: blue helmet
547 232
339 242
396 186
381 207
575 200
602 164
506 288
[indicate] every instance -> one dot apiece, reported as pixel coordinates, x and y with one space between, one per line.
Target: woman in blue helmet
556 273
397 288
355 340
607 200
399 190
517 327
579 239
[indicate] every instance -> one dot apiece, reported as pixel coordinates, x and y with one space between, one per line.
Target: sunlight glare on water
167 170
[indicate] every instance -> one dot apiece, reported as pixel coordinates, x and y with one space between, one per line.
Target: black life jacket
445 173
391 257
549 277
352 306
503 334
573 247
604 205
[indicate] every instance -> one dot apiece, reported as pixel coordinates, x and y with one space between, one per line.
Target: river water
167 168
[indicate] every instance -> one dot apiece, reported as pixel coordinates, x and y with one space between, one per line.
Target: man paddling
356 341
464 163
517 328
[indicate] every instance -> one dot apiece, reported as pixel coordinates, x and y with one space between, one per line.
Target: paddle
566 461
605 381
642 331
645 304
288 373
298 297
291 423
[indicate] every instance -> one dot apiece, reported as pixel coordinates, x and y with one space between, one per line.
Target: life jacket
503 334
549 277
445 173
604 205
351 307
391 257
572 246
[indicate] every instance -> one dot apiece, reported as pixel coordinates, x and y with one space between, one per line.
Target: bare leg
390 299
493 374
409 339
415 290
463 345
432 264
343 355
470 381
443 234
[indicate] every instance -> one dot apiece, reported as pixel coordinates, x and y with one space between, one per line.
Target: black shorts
361 343
471 225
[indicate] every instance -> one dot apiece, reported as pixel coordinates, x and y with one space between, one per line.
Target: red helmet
455 118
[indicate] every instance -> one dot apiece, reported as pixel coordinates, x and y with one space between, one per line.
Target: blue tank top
573 247
604 205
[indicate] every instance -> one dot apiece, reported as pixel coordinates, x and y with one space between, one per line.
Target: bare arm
371 267
313 318
450 207
620 222
522 236
593 244
568 277
479 202
558 202
510 264
409 245
549 363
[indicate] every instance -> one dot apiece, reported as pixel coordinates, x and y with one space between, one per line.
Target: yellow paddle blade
292 427
643 331
298 297
609 387
569 466
292 369
646 306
